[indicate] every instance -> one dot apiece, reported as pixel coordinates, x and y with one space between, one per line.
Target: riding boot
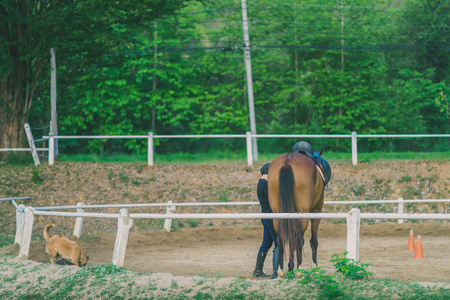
258 272
276 263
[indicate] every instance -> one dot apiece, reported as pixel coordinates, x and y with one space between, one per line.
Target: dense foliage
325 67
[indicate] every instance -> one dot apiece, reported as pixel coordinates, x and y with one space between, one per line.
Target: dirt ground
229 248
231 252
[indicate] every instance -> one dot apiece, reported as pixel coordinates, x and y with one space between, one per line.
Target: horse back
308 189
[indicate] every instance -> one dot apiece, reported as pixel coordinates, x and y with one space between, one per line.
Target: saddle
322 165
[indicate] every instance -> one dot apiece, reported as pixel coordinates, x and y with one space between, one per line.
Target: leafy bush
350 268
36 176
327 286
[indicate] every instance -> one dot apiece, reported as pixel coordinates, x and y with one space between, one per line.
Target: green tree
82 29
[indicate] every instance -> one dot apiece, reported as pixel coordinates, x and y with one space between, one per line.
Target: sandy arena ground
232 251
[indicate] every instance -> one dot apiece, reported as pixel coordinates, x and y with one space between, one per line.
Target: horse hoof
299 275
314 266
280 274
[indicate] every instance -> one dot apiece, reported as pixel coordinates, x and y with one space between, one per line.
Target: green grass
6 240
242 156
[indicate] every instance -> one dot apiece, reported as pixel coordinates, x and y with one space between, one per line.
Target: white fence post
353 226
51 149
32 145
169 210
249 148
150 148
400 209
20 223
354 149
27 230
78 221
124 223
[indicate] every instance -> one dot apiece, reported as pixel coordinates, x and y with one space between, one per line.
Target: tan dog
67 249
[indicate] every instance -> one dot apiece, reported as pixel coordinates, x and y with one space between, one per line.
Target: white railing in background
248 136
125 221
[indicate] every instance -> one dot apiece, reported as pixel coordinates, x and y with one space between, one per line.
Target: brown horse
295 186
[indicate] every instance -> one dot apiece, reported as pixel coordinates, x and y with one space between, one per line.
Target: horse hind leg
314 241
299 249
280 272
302 226
291 261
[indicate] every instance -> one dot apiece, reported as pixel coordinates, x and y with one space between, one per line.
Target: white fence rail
171 207
125 221
248 136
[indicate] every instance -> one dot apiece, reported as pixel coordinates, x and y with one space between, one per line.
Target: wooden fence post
169 210
353 226
51 148
30 138
400 209
249 148
150 149
78 221
354 149
20 223
27 230
123 227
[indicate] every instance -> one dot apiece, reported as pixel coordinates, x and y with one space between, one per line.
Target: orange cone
418 254
411 247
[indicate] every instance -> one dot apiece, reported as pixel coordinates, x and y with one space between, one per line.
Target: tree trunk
11 128
20 72
15 105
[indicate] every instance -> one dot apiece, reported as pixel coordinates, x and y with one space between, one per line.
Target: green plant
124 177
405 179
192 223
36 176
349 267
6 240
223 196
358 190
377 180
18 159
326 284
112 178
174 284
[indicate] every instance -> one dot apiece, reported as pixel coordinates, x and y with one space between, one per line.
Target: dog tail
46 235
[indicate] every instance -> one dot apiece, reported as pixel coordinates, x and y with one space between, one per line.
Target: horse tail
289 229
